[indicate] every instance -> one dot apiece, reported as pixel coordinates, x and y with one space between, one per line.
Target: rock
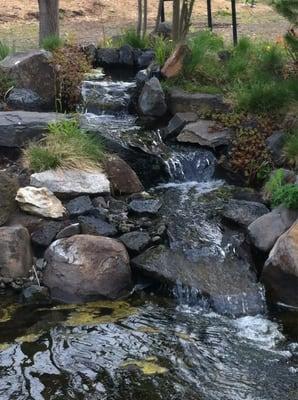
164 29
243 212
205 133
99 201
123 178
180 101
68 231
174 64
40 201
145 59
145 207
152 99
117 206
79 206
126 56
25 99
96 226
235 296
267 229
8 191
72 182
135 241
142 77
274 144
280 273
46 233
90 51
18 127
15 252
107 57
33 70
178 122
35 294
84 267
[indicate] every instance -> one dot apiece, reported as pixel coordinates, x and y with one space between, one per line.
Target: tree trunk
145 18
48 18
176 20
140 17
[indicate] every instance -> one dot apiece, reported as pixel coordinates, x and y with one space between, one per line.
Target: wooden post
234 21
209 14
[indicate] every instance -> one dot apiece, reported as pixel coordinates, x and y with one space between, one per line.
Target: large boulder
152 101
9 187
40 201
84 267
180 101
123 178
18 127
33 70
265 230
205 133
242 212
280 273
15 252
72 182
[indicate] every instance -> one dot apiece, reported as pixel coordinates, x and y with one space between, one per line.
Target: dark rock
145 207
178 122
267 229
8 191
15 252
145 59
35 294
117 206
243 212
142 77
274 144
46 234
126 56
164 29
25 99
280 273
84 268
99 212
107 57
247 194
91 52
180 101
152 99
33 70
18 127
79 206
122 177
96 226
135 241
99 202
68 231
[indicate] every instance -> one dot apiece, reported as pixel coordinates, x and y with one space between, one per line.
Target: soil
93 20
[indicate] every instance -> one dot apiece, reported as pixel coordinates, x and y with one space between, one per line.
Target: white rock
40 201
72 182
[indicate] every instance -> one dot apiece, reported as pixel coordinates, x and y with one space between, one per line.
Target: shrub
281 192
52 42
71 65
163 48
65 146
291 148
131 37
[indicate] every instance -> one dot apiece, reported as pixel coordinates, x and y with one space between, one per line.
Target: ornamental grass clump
52 42
65 146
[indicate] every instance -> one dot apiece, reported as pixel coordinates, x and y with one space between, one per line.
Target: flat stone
243 212
205 133
135 241
19 127
145 207
40 201
178 122
68 231
72 182
79 206
96 226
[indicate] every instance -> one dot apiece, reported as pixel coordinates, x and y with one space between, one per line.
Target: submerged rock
152 101
8 191
40 201
15 252
243 212
72 182
280 273
86 267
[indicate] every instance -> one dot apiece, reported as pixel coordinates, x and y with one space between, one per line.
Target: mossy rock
9 187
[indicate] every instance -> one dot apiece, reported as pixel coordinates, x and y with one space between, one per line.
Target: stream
151 347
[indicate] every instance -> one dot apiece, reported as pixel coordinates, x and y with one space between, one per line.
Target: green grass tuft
131 37
5 50
163 48
52 42
281 192
291 148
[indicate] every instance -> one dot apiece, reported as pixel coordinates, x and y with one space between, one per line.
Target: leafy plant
291 148
4 50
282 192
52 42
163 48
65 146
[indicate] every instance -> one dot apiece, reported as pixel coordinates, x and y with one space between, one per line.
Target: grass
4 50
163 48
282 192
291 148
65 146
52 42
131 37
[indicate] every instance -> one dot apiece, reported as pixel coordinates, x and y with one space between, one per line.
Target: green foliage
4 50
163 48
52 42
131 37
291 148
5 84
65 146
282 192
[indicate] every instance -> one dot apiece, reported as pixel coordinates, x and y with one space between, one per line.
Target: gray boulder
84 267
145 59
25 99
33 70
205 133
280 273
15 252
152 101
9 187
18 127
267 229
243 212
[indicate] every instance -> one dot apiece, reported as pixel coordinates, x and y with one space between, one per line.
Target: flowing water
148 347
